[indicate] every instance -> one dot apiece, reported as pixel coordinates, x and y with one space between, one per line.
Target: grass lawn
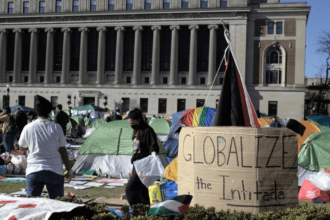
94 192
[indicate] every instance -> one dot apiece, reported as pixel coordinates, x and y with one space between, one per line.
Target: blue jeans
9 140
35 182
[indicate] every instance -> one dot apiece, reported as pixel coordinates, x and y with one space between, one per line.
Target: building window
204 3
223 3
162 106
125 105
10 51
164 80
42 45
183 80
5 102
58 79
147 4
129 5
184 4
221 81
58 6
26 7
53 100
184 48
270 27
279 27
10 7
256 2
202 80
26 79
166 4
147 39
75 6
92 49
111 5
21 100
42 7
274 65
42 79
200 103
11 79
203 49
26 38
165 49
93 5
128 80
144 105
146 80
75 50
110 49
58 48
128 49
181 105
272 108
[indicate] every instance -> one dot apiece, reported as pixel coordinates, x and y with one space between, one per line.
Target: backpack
12 127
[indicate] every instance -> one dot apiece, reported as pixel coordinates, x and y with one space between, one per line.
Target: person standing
21 120
116 115
46 143
144 144
61 118
9 129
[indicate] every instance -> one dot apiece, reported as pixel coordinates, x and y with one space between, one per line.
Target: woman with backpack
9 129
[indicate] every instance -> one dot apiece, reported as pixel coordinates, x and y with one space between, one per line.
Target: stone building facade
158 55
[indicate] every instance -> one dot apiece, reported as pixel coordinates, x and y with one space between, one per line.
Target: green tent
88 107
315 151
74 120
99 122
113 138
161 126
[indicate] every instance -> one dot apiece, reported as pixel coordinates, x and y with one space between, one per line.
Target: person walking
61 118
9 129
144 144
46 143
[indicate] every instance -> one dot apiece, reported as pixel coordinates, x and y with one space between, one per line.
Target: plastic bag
321 180
10 168
88 132
149 169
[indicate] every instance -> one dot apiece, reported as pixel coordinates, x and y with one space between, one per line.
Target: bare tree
323 48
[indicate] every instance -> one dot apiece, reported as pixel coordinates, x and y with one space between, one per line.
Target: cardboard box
239 168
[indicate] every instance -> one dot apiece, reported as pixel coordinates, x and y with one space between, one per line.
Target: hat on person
43 106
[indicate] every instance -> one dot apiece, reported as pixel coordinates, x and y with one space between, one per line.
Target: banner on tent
239 168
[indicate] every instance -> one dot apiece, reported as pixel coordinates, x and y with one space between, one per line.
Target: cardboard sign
238 168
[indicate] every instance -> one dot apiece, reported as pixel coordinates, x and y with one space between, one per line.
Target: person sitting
61 118
46 142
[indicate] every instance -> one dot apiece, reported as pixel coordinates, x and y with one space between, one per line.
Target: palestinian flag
176 206
235 108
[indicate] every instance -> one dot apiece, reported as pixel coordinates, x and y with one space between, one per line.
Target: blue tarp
176 118
171 189
323 120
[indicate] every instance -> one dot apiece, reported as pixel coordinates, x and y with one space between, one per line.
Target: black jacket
63 119
148 144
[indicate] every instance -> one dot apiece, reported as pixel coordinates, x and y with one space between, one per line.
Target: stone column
33 55
119 54
174 54
65 77
101 55
83 56
3 56
17 55
193 55
137 55
49 55
155 55
212 53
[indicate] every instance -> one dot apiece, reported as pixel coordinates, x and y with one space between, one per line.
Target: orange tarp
171 171
264 122
311 128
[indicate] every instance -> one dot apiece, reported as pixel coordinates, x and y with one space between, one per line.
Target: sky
318 22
